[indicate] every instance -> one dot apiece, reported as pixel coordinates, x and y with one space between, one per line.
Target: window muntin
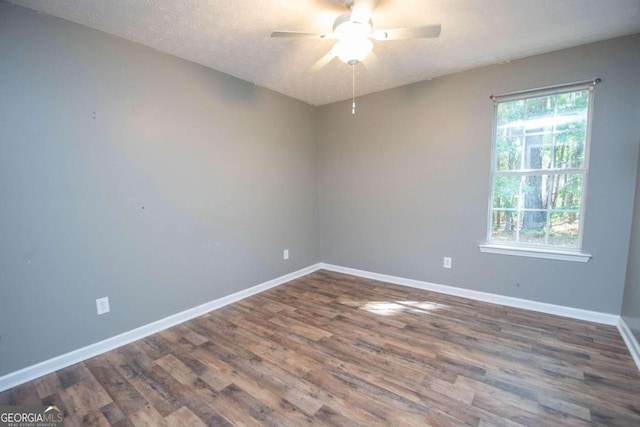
540 157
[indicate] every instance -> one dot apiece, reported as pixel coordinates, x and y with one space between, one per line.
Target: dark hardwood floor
331 349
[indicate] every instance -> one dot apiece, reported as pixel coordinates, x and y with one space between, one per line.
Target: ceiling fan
354 33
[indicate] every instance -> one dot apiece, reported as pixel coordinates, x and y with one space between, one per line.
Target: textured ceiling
234 36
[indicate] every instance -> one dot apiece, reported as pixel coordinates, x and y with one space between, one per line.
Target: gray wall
136 175
405 181
631 301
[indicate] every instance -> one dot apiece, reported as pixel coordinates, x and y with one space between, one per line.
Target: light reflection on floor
386 308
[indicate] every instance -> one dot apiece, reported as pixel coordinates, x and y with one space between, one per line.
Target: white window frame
537 250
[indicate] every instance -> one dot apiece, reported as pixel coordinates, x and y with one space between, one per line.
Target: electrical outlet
103 305
285 254
447 262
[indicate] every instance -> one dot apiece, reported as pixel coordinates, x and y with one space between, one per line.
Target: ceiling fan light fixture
353 50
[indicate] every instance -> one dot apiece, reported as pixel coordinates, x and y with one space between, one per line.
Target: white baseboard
630 341
573 313
48 366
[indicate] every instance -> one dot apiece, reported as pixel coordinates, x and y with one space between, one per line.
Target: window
539 170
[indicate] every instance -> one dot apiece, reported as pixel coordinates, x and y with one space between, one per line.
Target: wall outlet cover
103 305
447 262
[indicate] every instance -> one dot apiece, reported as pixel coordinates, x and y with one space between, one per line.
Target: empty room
320 212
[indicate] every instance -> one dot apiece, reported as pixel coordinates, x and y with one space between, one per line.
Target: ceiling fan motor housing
344 26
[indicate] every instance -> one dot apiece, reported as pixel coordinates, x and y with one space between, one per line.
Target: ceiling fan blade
322 62
372 63
361 10
428 31
298 34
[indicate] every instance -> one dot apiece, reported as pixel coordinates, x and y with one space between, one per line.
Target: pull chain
353 88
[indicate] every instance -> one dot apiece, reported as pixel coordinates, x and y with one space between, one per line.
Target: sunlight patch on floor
387 308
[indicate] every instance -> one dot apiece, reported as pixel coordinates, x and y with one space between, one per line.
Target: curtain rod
591 82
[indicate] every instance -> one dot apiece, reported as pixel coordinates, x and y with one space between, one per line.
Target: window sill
535 253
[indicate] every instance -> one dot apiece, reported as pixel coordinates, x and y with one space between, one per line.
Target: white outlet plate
447 262
285 254
103 305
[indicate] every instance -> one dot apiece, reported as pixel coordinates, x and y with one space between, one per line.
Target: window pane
508 153
564 228
566 191
547 151
572 102
569 145
510 113
533 150
534 227
534 191
534 223
506 191
509 135
503 225
539 108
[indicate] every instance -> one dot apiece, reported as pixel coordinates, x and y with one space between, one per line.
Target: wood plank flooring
332 349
